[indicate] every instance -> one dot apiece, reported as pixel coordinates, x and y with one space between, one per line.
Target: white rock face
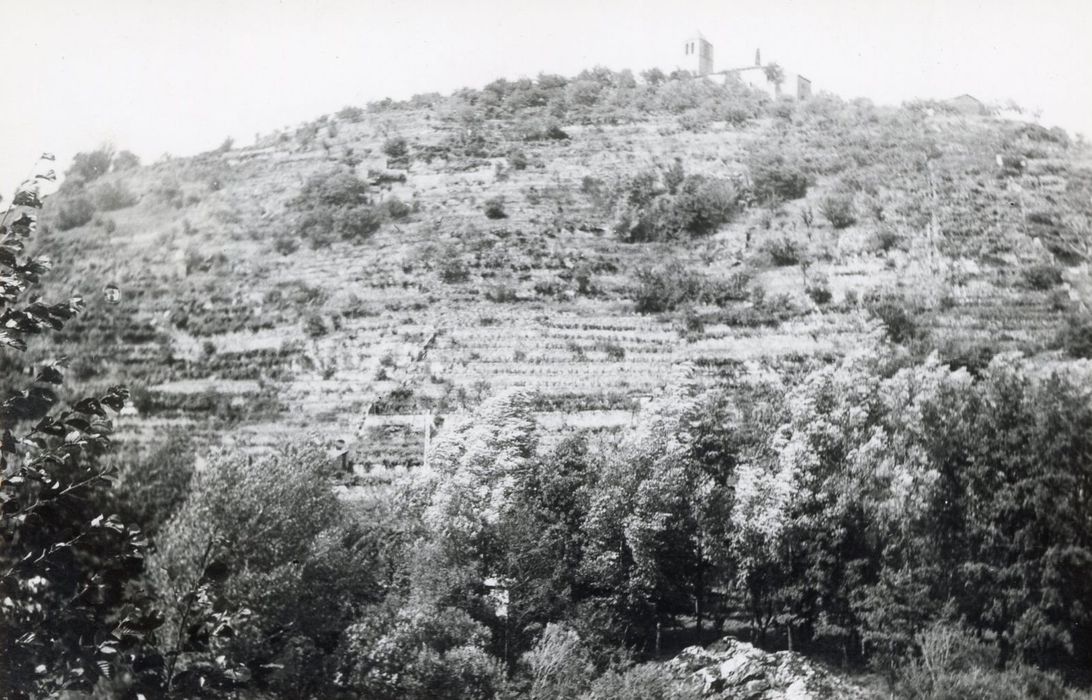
738 670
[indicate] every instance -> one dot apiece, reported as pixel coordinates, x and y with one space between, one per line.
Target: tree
63 565
90 166
258 558
656 531
775 74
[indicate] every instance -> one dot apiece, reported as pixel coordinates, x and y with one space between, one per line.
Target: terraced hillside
498 253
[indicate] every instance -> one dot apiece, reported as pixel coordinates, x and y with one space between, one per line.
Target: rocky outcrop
738 670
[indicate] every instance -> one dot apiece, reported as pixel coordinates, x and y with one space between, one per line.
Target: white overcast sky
178 76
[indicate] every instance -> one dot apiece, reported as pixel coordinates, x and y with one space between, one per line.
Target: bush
559 665
501 294
337 188
820 293
951 664
74 211
87 167
704 204
1075 337
125 160
838 210
314 326
351 114
886 239
518 160
453 270
774 178
666 287
111 196
494 208
396 208
419 653
1042 276
651 681
151 488
336 205
783 251
396 147
898 316
694 204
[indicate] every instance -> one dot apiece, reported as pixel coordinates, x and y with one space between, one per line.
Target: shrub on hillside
838 209
74 211
820 293
654 207
517 159
323 227
1041 276
886 239
704 204
111 196
396 208
125 160
783 251
337 188
898 315
350 114
336 205
1075 337
90 166
775 178
667 287
543 130
494 208
396 147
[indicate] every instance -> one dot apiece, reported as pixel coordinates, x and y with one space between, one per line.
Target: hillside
963 234
533 391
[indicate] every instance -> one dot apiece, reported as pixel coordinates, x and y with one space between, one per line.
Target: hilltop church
770 78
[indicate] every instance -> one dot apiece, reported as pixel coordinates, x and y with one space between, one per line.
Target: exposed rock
734 669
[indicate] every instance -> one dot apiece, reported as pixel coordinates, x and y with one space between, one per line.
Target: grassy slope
213 318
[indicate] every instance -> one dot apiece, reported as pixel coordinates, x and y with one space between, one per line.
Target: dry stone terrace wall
242 340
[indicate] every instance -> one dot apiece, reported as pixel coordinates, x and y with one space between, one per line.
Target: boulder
734 669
